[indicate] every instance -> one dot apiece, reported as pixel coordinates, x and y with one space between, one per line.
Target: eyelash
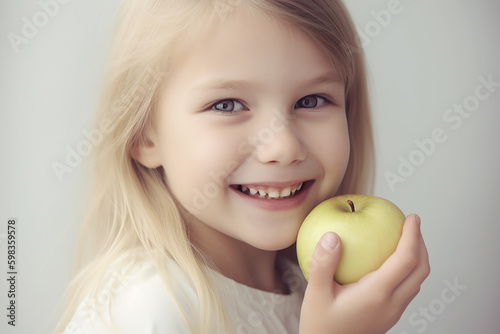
227 112
325 101
236 101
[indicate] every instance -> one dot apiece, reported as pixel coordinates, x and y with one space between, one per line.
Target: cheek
331 143
331 148
212 149
339 150
195 157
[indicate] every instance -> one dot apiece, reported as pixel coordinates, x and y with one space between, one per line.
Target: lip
276 204
274 185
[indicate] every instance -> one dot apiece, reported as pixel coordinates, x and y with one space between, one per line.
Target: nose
279 143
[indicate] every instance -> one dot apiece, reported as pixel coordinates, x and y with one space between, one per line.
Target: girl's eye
310 101
228 106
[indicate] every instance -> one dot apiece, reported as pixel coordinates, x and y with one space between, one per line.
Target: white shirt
140 303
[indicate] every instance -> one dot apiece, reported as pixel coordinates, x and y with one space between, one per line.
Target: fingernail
329 241
417 218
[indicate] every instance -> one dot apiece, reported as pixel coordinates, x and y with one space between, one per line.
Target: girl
226 122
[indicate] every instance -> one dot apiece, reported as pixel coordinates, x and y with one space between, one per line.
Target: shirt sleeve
134 303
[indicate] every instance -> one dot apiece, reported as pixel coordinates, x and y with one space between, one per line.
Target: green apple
369 228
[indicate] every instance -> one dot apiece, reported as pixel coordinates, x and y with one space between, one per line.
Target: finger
411 285
323 264
405 258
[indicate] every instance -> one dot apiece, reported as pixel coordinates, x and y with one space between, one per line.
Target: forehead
248 44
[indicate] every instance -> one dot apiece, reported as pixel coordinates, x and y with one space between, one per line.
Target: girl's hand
376 302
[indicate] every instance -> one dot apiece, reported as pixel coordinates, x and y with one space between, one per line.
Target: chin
275 244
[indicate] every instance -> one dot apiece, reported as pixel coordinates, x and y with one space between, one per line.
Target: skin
254 103
267 140
376 302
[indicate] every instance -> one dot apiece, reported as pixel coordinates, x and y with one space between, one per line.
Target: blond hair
130 205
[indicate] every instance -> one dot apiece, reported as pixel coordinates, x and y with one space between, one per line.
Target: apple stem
351 204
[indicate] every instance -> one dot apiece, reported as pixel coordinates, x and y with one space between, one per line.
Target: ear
146 152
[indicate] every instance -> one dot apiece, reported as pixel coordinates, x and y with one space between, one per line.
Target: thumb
324 262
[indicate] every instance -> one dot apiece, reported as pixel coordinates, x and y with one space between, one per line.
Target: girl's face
251 131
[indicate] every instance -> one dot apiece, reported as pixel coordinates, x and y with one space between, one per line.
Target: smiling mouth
270 192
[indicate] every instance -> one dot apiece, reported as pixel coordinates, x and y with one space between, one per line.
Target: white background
422 61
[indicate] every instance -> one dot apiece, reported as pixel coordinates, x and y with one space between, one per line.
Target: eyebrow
221 84
328 78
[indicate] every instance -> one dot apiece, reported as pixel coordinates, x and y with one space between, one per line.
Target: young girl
225 123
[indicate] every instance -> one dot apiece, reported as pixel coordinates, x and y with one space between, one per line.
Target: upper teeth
272 193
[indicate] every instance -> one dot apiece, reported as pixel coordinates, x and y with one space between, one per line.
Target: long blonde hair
130 206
